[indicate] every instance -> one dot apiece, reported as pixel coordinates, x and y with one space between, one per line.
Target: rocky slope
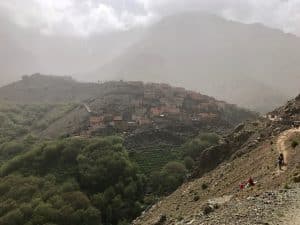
215 197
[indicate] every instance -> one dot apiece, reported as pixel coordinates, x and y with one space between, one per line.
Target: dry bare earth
293 214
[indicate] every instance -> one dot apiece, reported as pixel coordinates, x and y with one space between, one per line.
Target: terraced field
153 158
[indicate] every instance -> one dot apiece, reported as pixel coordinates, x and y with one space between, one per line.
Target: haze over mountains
26 51
250 65
224 59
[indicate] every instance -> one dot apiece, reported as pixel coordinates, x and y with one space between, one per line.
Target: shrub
212 138
196 198
294 144
204 186
77 200
286 186
189 163
196 146
296 179
174 168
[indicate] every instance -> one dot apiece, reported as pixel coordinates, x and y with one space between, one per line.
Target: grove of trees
81 181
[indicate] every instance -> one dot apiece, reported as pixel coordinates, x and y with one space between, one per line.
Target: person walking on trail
251 182
280 161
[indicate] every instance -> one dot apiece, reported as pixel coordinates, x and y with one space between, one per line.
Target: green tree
189 163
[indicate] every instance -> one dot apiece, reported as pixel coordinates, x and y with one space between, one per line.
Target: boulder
239 127
208 208
296 179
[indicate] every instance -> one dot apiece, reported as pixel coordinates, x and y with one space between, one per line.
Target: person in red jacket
242 186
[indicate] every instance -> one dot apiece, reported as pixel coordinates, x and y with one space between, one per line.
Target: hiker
280 161
251 182
242 186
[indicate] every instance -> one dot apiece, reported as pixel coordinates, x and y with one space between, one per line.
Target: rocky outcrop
245 137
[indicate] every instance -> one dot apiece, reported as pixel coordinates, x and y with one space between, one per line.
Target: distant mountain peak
210 54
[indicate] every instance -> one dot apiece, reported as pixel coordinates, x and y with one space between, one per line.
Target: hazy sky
86 17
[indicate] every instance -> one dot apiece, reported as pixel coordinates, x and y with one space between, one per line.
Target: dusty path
281 142
293 216
88 109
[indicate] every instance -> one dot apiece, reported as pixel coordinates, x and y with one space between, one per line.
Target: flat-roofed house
119 123
156 111
96 121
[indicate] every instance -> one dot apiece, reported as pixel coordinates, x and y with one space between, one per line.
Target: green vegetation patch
34 201
154 158
295 141
196 146
89 181
17 121
78 180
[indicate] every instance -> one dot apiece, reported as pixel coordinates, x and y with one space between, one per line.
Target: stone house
119 123
156 111
143 121
207 116
96 121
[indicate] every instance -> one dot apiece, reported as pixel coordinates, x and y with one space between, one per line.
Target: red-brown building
96 121
208 116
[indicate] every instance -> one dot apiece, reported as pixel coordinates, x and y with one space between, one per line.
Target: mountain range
249 65
244 64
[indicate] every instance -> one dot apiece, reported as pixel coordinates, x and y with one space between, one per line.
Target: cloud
280 14
71 17
86 17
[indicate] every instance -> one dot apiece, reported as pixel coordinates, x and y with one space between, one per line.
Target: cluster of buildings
156 103
118 122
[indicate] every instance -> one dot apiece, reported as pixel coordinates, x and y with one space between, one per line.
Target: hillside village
122 107
130 105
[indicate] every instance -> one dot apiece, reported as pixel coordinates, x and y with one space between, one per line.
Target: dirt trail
293 217
281 142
